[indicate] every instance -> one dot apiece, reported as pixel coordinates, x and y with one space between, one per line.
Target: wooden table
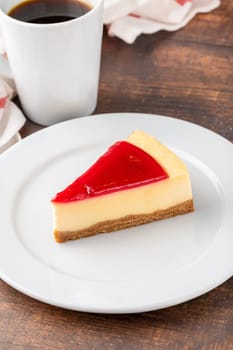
187 75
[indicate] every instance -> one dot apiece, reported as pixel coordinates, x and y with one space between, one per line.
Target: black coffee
49 11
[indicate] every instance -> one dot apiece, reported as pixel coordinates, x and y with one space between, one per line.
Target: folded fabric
127 19
11 117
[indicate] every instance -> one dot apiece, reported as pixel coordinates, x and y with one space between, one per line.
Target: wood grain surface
188 75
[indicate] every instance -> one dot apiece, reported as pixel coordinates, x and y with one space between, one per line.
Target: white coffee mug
55 66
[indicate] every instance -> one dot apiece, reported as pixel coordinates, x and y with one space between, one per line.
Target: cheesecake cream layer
141 200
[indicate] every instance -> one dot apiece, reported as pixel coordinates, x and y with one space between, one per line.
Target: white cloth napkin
11 117
127 19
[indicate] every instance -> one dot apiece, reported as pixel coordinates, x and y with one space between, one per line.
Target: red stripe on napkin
182 2
134 15
2 102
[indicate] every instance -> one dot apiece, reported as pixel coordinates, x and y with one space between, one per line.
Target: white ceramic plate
144 268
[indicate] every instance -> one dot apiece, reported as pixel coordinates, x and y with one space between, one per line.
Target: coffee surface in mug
49 11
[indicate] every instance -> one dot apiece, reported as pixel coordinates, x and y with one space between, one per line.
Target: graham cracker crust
127 221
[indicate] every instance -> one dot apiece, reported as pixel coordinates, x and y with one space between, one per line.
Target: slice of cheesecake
135 182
